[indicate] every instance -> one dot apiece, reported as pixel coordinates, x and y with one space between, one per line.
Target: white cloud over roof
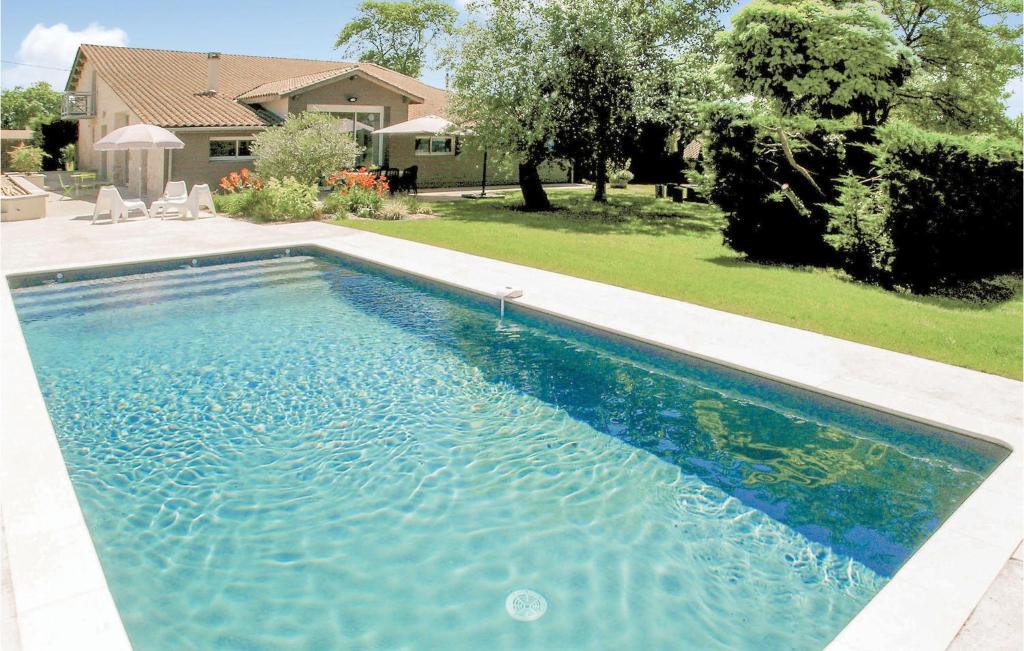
49 51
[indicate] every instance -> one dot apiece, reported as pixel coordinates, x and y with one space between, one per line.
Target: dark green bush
857 229
773 213
277 200
954 206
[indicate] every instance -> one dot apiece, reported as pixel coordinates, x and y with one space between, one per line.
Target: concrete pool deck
56 583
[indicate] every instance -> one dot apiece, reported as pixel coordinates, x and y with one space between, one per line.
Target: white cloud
54 47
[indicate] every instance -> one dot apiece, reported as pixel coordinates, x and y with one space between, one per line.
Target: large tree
26 108
616 69
502 87
816 58
968 51
581 75
397 35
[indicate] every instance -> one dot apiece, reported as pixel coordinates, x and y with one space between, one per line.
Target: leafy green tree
24 108
503 86
968 51
581 75
397 35
810 57
616 63
308 147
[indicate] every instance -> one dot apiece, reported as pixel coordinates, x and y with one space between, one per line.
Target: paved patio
924 606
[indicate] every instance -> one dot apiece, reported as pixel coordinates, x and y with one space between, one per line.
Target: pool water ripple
299 454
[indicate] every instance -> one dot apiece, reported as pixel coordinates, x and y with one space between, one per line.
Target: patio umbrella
138 137
432 125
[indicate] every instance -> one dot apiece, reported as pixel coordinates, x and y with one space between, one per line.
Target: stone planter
22 199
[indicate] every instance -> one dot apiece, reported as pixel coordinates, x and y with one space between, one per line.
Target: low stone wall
21 200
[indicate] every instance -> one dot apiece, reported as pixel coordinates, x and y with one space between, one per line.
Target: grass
676 250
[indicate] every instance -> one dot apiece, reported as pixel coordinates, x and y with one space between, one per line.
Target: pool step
149 290
186 276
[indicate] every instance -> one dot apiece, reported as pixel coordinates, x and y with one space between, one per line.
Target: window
361 122
434 146
223 148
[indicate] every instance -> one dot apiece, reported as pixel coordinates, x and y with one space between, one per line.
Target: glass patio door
362 124
365 124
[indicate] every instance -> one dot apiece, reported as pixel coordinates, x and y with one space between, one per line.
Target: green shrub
308 147
955 206
749 172
336 204
287 199
857 229
620 178
359 201
393 210
25 159
278 200
233 204
418 207
69 157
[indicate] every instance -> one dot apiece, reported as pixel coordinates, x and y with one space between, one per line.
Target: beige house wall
111 113
193 165
277 106
367 93
464 168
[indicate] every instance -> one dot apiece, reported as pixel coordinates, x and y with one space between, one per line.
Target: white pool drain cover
526 605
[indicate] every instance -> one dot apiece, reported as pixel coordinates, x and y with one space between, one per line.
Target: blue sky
46 32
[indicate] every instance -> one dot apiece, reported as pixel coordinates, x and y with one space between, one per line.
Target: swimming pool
303 452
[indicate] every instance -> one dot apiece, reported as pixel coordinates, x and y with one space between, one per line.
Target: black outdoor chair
393 176
407 182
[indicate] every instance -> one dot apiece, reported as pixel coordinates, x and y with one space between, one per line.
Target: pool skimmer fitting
507 293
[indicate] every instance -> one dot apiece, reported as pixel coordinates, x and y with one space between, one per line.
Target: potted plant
69 157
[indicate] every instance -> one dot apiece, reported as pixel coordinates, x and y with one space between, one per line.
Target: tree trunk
601 173
534 196
601 180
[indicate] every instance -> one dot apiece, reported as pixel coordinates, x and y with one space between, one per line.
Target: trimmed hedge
748 170
898 206
955 205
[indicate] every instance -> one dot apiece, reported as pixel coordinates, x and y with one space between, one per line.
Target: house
216 103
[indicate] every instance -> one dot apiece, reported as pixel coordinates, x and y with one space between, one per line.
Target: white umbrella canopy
433 125
428 124
138 136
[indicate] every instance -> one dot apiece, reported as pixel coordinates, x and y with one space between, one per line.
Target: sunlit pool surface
298 452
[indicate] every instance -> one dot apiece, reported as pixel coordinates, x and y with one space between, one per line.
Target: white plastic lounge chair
109 200
201 196
174 198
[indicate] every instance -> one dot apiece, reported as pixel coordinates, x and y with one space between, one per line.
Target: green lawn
676 250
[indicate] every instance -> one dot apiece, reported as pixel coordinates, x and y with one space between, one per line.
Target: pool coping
56 573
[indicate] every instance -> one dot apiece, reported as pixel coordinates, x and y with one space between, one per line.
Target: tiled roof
692 150
284 86
167 87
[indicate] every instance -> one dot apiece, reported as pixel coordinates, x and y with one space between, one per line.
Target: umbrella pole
483 180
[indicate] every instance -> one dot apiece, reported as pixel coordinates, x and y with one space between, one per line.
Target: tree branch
788 151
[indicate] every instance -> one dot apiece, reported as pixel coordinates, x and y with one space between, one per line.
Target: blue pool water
301 453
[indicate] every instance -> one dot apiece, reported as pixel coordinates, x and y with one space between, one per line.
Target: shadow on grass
626 213
985 294
635 212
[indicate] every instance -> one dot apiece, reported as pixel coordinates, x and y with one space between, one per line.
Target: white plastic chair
201 196
109 200
174 198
